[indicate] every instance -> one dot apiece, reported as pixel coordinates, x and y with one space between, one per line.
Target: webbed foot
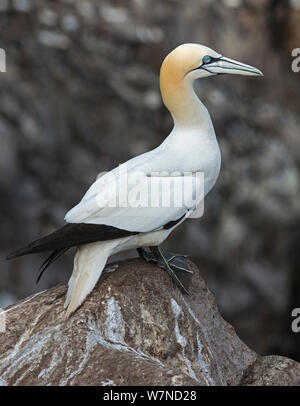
174 264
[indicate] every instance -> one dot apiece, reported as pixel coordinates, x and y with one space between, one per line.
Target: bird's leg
174 260
146 255
172 263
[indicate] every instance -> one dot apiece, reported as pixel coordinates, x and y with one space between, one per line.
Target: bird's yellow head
195 61
183 60
188 62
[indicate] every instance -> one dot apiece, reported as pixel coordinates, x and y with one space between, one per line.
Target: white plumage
191 147
150 173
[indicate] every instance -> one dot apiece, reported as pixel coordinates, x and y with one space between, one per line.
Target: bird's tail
71 235
89 262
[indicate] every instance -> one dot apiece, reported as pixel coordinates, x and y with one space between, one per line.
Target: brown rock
273 371
136 328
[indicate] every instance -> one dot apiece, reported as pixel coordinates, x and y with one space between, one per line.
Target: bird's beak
227 65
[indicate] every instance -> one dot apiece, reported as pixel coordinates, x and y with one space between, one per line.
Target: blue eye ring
206 59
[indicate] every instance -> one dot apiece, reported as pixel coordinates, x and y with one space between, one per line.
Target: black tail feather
71 235
56 254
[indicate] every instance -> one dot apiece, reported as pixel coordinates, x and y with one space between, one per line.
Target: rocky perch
136 328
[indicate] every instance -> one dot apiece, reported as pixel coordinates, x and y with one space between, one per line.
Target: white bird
104 223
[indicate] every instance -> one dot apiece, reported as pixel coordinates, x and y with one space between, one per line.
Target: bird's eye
206 59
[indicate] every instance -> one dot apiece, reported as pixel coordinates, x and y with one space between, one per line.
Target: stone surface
273 371
135 328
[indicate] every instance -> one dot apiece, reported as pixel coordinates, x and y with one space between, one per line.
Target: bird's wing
137 199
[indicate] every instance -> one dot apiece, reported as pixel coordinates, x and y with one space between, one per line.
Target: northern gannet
100 229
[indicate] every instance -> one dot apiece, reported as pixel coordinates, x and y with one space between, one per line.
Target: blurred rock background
81 95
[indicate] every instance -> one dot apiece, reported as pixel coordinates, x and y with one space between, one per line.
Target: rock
53 39
47 17
273 371
135 328
23 6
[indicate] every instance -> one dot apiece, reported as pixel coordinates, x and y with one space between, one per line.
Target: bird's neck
184 105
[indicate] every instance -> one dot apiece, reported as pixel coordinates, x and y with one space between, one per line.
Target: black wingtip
29 249
18 253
